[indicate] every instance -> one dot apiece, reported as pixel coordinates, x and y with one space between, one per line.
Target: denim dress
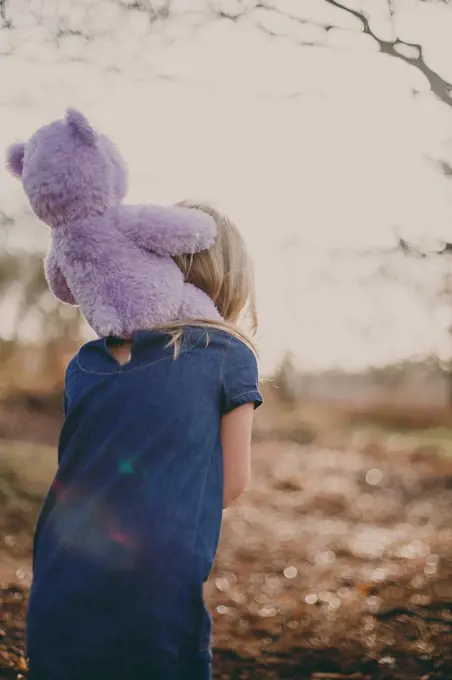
128 532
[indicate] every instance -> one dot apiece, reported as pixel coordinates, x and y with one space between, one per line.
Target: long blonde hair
225 273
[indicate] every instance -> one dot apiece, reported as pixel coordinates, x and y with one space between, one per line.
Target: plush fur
113 261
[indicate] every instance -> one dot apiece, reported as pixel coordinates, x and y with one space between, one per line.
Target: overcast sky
312 150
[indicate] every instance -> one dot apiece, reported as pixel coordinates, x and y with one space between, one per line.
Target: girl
156 442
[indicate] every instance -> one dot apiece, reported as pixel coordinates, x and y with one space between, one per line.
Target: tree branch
440 87
162 11
413 251
4 22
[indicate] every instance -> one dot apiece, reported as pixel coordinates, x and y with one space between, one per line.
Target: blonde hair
225 273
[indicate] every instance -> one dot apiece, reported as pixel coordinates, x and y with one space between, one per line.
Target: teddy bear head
69 171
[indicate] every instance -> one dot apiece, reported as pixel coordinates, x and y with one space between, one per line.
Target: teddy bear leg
197 305
55 279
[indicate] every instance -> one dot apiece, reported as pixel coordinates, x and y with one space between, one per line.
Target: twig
440 87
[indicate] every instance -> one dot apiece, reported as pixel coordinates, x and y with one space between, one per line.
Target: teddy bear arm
168 230
55 279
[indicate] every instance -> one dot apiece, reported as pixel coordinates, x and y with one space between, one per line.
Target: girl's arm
236 429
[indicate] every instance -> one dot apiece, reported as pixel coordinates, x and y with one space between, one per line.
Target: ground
336 563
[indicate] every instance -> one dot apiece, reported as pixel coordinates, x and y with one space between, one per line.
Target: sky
316 152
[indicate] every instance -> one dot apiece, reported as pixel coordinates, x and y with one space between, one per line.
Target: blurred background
324 129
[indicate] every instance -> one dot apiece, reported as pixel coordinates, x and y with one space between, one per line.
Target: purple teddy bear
113 261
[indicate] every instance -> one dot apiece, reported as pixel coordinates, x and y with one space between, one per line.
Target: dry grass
336 563
322 567
394 417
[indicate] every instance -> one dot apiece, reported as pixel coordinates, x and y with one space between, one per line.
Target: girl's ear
15 159
80 126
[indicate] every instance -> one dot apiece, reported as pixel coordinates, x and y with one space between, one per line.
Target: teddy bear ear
80 126
15 159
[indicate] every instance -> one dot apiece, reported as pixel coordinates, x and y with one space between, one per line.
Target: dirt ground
337 563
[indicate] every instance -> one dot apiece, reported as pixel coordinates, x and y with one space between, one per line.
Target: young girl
156 442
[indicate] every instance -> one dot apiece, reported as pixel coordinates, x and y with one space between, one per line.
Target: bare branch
446 168
407 249
4 22
414 251
161 10
440 87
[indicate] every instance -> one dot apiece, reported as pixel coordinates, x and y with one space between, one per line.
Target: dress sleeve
239 377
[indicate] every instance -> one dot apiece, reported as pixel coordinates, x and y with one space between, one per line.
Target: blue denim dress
128 532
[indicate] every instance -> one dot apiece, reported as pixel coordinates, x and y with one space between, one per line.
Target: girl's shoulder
208 359
217 337
149 347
